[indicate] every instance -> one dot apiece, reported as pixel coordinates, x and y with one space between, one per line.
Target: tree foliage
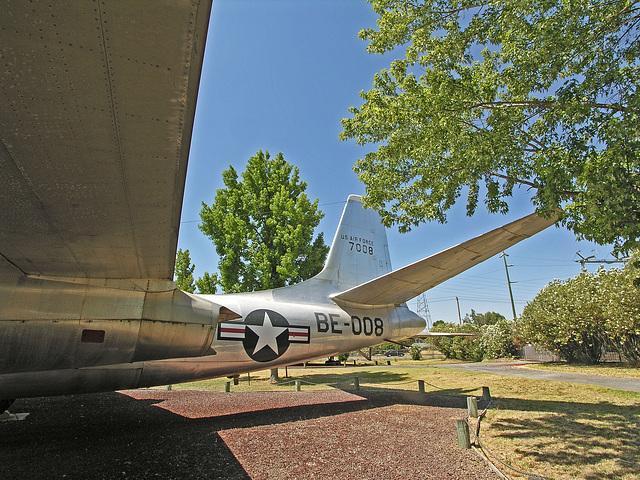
498 339
262 225
415 351
343 357
494 338
460 348
183 275
578 317
565 317
491 95
183 272
207 283
489 318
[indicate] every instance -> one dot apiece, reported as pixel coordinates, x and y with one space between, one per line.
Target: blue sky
279 75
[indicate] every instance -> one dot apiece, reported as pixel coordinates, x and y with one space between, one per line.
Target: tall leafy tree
262 225
494 94
489 318
207 283
183 273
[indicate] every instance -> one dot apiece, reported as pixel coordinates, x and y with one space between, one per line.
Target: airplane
98 102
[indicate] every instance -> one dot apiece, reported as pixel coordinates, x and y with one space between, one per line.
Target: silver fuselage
63 337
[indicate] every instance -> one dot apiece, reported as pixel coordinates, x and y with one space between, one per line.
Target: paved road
518 370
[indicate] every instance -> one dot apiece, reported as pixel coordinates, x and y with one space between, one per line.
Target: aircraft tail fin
360 251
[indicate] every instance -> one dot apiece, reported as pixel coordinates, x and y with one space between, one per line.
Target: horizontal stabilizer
403 284
426 334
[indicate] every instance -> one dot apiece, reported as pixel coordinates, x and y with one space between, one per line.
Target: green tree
183 274
262 225
491 95
207 283
489 318
343 357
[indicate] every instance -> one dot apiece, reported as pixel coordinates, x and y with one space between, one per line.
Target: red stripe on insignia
229 329
299 334
231 332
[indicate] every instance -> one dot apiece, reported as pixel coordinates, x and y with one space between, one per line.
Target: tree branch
461 9
530 184
493 105
514 180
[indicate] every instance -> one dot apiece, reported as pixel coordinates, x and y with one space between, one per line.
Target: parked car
394 353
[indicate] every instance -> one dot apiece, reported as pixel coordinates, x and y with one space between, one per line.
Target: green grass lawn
554 429
609 369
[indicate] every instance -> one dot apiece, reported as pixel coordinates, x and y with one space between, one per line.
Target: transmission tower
423 309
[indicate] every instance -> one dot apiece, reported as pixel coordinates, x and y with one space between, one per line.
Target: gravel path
259 435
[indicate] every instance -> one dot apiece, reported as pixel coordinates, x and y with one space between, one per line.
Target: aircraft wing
403 284
96 112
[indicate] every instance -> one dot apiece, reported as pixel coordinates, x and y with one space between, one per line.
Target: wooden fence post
462 429
472 406
486 396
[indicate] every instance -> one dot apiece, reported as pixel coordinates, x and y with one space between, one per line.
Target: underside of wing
96 110
405 283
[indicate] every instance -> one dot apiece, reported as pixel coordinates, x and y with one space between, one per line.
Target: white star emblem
267 335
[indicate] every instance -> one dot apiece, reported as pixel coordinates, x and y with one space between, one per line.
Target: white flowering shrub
578 317
497 340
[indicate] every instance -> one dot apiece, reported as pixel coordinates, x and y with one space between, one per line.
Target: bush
460 348
621 307
577 318
497 340
415 351
565 317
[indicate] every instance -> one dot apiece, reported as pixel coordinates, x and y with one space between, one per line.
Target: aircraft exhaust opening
227 314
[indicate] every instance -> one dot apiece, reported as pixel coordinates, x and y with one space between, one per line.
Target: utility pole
509 282
592 259
459 317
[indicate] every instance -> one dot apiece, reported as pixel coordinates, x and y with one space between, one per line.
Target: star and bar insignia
265 334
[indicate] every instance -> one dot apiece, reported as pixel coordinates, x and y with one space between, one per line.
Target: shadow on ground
111 435
591 434
345 380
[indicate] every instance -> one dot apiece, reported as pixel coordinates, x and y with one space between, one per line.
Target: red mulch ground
259 435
